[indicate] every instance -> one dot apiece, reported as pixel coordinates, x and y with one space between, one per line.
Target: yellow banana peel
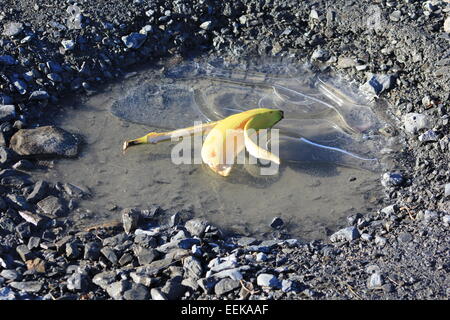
225 138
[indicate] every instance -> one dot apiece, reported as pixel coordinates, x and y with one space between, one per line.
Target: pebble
447 25
447 190
39 95
52 206
429 136
192 267
413 122
12 29
405 237
130 220
7 112
78 282
393 179
207 25
375 281
45 141
68 44
27 286
346 234
136 292
134 40
196 227
226 285
378 83
156 294
268 280
277 223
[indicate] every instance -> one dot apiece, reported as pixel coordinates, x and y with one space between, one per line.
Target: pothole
330 149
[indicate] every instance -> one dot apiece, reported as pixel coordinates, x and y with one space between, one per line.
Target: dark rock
40 190
392 179
104 279
39 95
45 141
277 223
116 289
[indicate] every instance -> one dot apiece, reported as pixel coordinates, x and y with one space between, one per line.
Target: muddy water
312 198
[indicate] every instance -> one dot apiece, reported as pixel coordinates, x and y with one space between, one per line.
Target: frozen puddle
329 149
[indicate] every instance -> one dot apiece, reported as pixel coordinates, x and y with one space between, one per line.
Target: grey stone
182 244
72 250
207 25
21 86
447 25
78 282
380 241
91 251
430 216
447 190
156 294
145 255
143 278
192 267
116 289
375 281
234 274
33 243
344 62
405 237
24 253
246 241
345 234
52 206
207 284
7 112
104 279
320 55
7 294
27 286
44 141
134 40
377 83
68 44
12 29
40 190
261 256
173 289
130 219
136 292
413 122
429 136
109 254
226 285
268 280
446 220
39 95
7 156
392 179
196 227
10 274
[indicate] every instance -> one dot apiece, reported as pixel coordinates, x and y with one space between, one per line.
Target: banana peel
225 139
